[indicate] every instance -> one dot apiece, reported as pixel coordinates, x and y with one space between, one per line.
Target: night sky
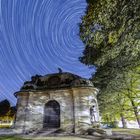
37 37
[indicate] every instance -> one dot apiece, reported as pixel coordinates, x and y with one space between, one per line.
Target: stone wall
74 103
22 101
83 98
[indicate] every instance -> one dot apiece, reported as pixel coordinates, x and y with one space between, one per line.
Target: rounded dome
57 80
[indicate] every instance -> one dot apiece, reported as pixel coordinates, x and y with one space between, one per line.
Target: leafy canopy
110 31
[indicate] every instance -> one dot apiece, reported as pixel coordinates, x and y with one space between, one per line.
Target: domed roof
55 81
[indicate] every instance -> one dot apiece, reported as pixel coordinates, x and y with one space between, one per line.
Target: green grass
127 131
41 138
5 126
11 138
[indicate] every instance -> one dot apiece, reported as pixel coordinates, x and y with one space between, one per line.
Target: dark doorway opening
51 115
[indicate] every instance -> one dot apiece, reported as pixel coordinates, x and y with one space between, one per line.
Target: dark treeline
6 109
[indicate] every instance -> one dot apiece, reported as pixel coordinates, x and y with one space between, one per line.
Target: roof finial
60 70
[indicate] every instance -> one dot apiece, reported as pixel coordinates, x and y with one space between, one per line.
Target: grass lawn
5 126
127 131
42 138
10 138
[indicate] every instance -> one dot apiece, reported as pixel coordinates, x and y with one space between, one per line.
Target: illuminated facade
56 101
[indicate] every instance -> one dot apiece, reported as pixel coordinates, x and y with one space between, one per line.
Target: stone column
35 111
22 101
82 108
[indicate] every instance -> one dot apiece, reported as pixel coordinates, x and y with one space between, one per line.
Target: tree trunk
135 108
107 120
123 121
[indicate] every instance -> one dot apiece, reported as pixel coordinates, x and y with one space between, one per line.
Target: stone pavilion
61 101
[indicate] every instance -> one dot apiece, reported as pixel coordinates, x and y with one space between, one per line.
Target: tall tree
123 96
110 31
131 90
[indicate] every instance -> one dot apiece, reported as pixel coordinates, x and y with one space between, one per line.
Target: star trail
37 37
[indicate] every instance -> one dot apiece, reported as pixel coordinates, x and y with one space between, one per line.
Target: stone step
44 132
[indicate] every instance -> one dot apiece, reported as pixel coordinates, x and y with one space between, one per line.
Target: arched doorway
51 115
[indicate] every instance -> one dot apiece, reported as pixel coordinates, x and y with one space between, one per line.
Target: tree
124 98
12 111
114 108
4 107
132 91
110 31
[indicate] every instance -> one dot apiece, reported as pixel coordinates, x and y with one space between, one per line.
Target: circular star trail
37 37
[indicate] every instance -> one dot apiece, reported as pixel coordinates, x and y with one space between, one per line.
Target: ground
127 131
45 138
124 133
